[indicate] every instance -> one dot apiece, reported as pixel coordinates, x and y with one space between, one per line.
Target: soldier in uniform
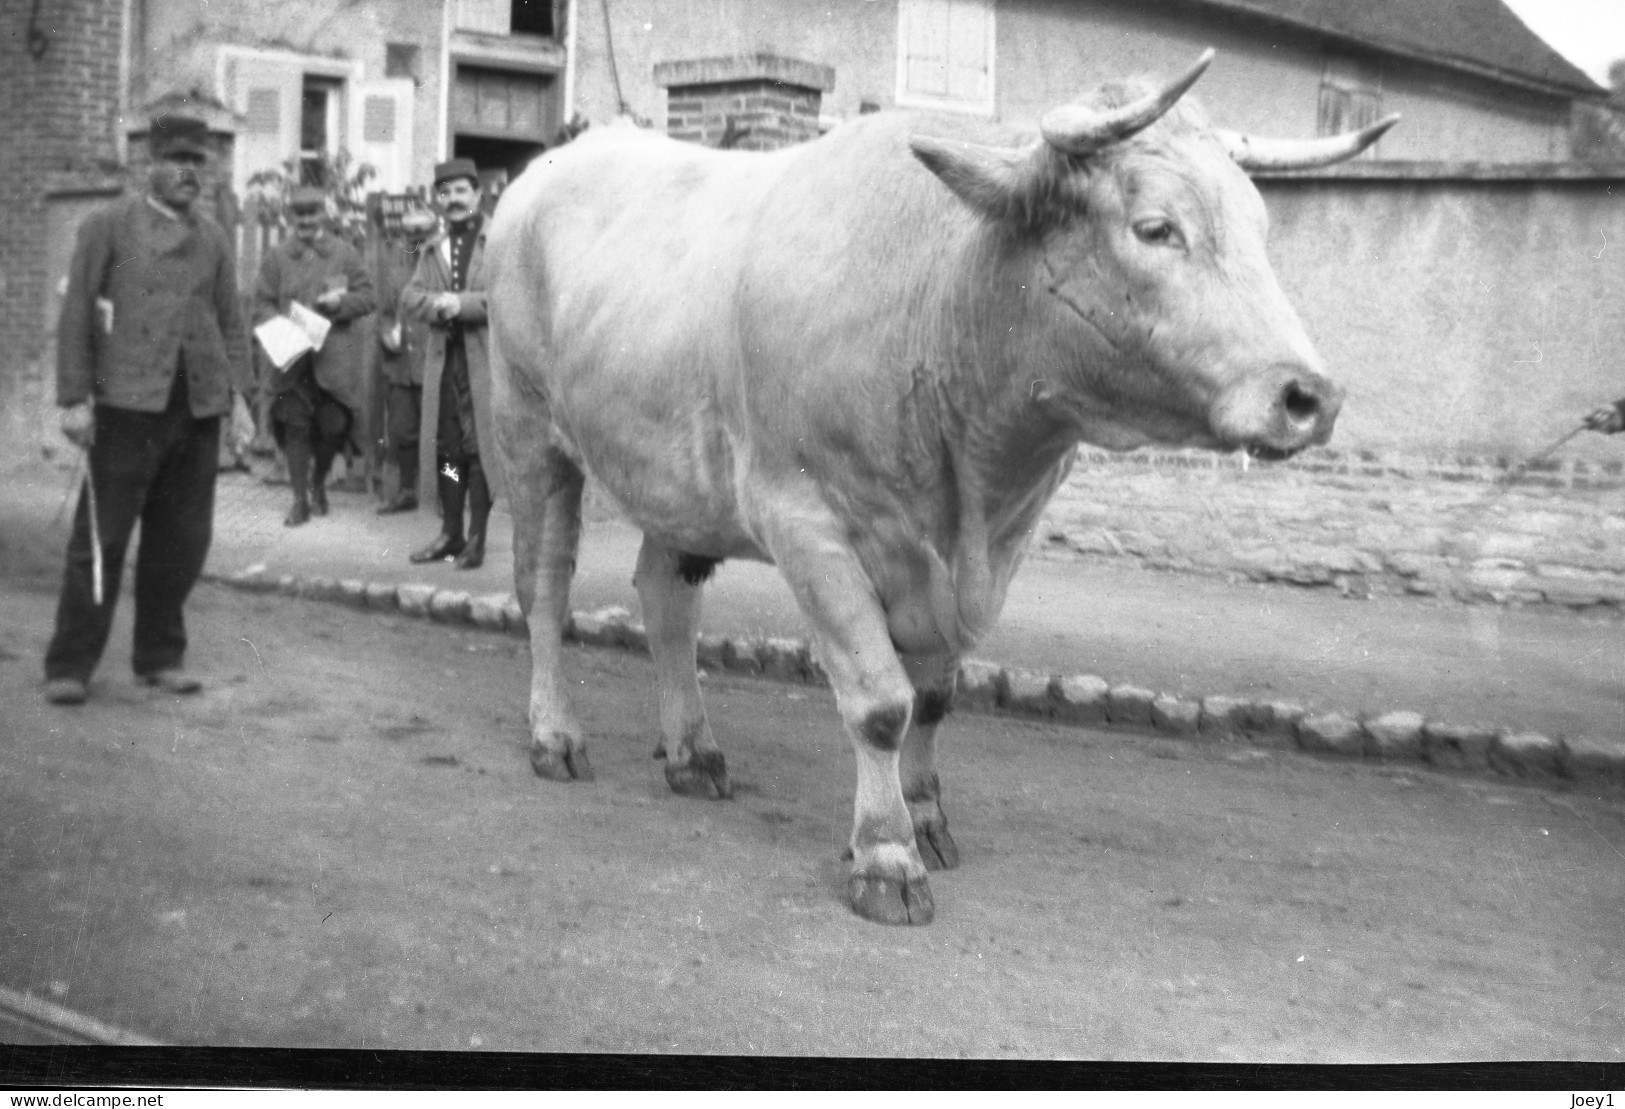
318 394
447 292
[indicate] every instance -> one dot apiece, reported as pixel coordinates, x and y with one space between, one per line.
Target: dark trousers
158 468
306 419
455 433
404 406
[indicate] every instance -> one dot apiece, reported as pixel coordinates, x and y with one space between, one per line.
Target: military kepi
307 198
171 134
457 167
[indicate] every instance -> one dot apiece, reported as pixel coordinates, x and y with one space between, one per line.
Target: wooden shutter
945 54
267 94
381 130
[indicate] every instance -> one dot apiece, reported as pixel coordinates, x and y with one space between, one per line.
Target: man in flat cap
149 345
447 292
318 394
402 340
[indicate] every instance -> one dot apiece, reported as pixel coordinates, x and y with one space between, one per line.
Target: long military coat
432 277
172 289
294 271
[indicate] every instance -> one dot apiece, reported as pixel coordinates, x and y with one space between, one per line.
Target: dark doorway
499 160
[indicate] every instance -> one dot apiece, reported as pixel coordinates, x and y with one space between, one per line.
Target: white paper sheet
316 326
284 338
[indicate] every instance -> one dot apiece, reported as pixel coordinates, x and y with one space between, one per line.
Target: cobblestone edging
1081 699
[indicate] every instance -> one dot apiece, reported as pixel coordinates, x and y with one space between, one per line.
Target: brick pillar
59 103
747 102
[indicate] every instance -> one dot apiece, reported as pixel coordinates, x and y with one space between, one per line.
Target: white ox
868 360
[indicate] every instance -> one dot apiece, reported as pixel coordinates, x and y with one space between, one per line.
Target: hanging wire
614 71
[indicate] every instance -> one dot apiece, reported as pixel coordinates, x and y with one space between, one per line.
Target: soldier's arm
471 307
418 299
78 326
359 297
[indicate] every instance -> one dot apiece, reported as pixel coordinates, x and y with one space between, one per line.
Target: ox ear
996 182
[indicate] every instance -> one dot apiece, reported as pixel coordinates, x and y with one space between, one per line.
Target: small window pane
532 17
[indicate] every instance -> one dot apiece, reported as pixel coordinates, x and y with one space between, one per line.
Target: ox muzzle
1275 413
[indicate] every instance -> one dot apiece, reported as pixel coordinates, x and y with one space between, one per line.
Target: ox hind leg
933 677
669 585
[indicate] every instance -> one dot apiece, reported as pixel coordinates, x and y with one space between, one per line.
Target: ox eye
1159 231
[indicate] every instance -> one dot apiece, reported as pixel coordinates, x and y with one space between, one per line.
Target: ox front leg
669 586
888 880
546 503
934 677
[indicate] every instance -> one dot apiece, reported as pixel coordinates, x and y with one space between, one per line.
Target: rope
614 71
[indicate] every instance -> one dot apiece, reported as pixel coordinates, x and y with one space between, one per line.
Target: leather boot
479 513
318 485
297 448
449 543
406 497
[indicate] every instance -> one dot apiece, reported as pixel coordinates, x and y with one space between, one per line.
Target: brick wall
746 102
59 100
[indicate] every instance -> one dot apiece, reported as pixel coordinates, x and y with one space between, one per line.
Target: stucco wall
1263 81
1048 51
1464 316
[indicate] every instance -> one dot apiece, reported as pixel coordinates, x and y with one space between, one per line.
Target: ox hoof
569 765
704 776
888 900
937 848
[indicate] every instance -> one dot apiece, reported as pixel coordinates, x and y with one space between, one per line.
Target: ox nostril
1303 405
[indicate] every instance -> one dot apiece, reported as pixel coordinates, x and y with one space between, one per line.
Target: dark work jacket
173 291
293 271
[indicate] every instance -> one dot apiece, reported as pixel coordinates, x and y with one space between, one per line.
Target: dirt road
342 845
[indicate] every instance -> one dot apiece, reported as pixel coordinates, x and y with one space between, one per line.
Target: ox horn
1252 153
1078 129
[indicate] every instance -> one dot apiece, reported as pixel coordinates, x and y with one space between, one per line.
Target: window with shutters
503 103
945 54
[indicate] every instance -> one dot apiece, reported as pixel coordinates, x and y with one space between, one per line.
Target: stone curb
1398 736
